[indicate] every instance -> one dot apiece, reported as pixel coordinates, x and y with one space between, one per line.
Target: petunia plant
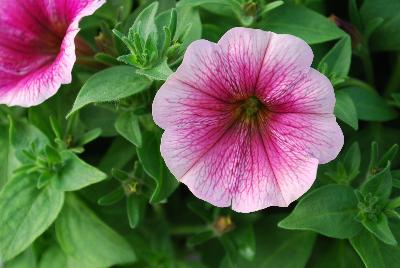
199 133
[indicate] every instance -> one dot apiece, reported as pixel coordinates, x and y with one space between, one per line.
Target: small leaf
388 156
112 197
160 72
26 259
329 210
145 21
127 125
150 157
55 257
25 213
352 161
334 253
24 135
195 3
111 84
387 35
309 25
270 6
89 136
278 247
369 105
338 59
7 158
200 238
345 109
135 206
76 174
380 229
83 236
374 253
245 241
379 185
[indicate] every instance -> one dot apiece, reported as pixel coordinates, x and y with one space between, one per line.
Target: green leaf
89 136
335 254
150 157
354 14
6 158
379 185
387 36
160 72
302 22
145 21
23 135
271 6
76 174
352 161
369 105
374 253
189 26
111 84
245 241
329 210
279 248
26 259
127 125
345 109
112 197
55 257
101 116
338 59
83 236
135 206
25 213
118 155
388 156
380 229
200 238
196 3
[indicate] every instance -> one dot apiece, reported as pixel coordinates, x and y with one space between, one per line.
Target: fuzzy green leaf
329 210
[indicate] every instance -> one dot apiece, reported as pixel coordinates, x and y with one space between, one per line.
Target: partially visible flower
247 121
37 49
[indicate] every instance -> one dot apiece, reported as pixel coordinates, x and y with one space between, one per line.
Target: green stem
368 69
394 81
189 229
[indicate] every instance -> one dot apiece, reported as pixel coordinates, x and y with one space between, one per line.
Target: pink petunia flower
37 49
247 121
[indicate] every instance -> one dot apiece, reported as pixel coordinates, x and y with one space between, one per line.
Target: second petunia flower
37 47
247 120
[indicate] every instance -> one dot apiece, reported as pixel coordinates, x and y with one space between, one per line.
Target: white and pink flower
37 48
247 120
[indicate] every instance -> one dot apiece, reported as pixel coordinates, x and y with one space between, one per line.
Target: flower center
249 109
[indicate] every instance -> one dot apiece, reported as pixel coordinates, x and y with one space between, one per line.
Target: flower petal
314 135
237 167
29 72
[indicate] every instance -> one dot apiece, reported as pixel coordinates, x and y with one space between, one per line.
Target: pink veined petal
169 103
315 135
242 56
279 176
211 70
312 93
244 169
29 72
270 161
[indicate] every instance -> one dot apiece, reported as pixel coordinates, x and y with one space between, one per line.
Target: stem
394 81
368 69
189 229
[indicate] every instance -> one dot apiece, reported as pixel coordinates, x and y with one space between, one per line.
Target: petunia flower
37 48
247 120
